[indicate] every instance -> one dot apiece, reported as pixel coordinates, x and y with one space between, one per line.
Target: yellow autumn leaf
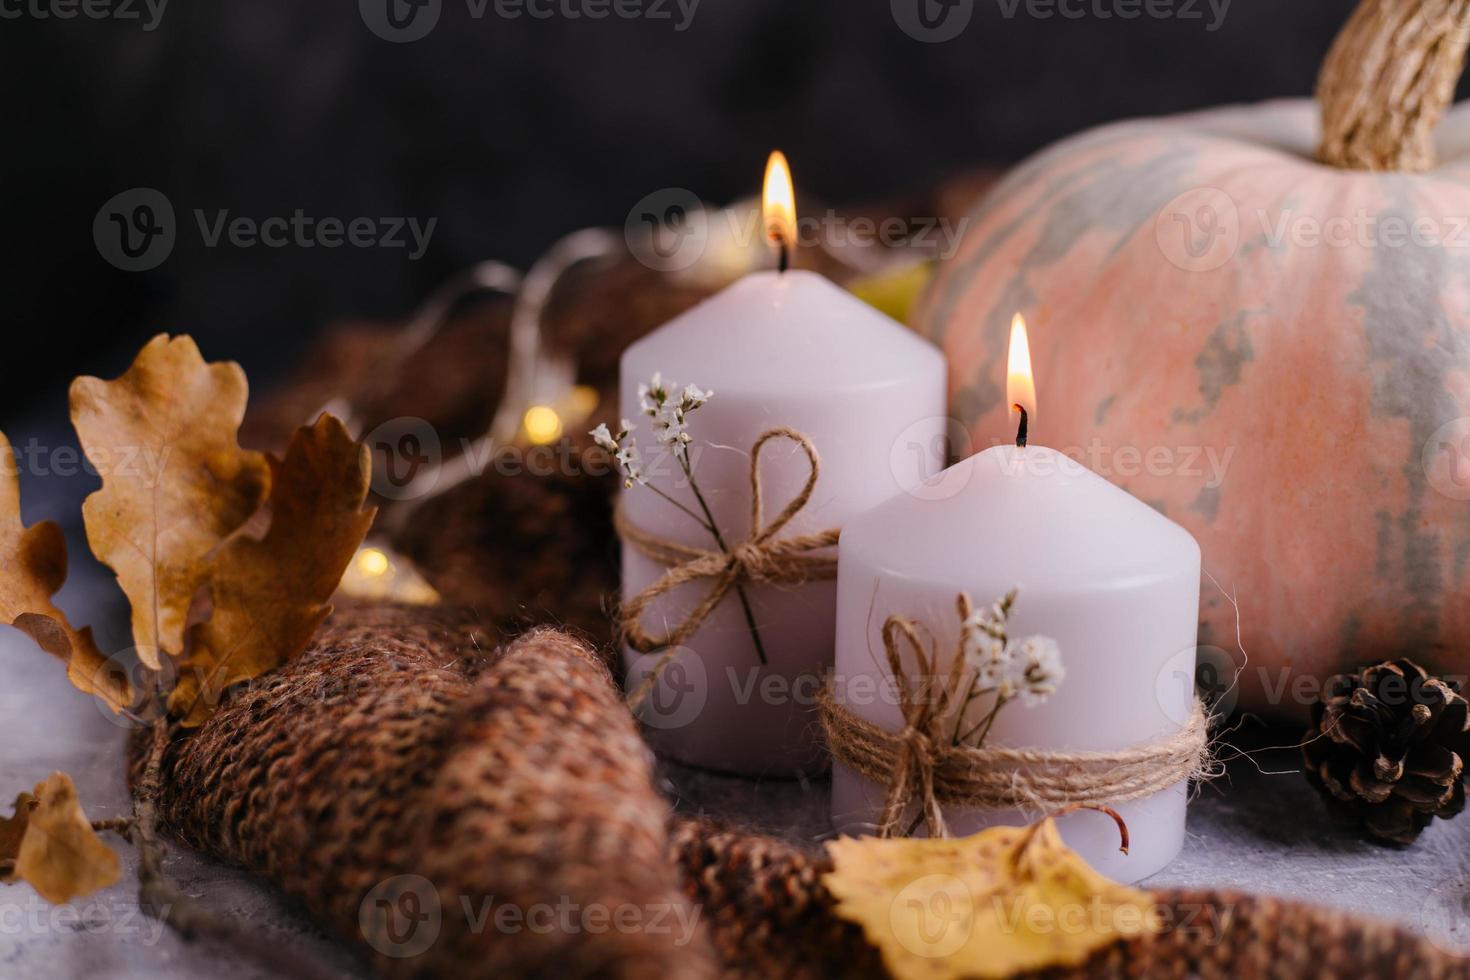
1001 902
34 560
50 843
894 291
270 594
175 483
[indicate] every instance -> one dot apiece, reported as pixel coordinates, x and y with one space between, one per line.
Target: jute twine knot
920 765
764 558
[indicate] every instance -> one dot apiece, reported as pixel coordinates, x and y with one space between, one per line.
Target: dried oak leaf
34 560
12 832
269 594
1004 901
50 843
175 482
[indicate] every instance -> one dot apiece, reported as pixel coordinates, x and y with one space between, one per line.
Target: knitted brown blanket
455 810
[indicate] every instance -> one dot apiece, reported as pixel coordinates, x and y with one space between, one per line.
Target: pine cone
1388 744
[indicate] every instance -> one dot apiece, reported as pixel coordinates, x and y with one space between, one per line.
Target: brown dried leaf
34 559
175 482
12 832
54 845
270 594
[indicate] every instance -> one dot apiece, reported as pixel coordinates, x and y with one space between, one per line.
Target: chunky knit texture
401 745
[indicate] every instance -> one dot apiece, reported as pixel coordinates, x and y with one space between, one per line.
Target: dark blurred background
511 132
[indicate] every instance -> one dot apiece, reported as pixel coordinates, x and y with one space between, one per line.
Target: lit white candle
1114 582
778 349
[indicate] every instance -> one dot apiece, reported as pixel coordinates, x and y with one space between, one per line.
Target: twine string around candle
766 557
919 766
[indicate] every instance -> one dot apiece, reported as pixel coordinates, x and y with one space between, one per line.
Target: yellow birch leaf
270 594
1001 902
175 482
57 851
34 563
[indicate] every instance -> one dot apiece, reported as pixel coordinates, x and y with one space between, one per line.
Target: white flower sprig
623 448
669 409
670 413
1028 669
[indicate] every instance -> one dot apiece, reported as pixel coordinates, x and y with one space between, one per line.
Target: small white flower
1037 669
984 653
604 438
669 430
624 450
694 398
652 397
627 460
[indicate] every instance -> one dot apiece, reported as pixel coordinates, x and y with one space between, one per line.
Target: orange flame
1020 383
778 202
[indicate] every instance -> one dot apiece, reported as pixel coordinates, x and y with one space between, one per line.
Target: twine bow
765 557
922 766
924 708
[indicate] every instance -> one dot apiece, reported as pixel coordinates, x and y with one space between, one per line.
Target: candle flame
778 202
1020 383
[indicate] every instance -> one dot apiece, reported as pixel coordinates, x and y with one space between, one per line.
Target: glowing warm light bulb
372 563
542 424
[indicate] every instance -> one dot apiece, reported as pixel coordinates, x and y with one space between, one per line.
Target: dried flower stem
755 633
161 899
707 525
122 826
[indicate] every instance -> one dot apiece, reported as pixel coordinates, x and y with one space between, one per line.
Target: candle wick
783 253
1021 429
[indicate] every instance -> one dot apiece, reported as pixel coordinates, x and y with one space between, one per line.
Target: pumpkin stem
1387 80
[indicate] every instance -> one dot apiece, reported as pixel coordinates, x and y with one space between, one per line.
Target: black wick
1021 429
783 253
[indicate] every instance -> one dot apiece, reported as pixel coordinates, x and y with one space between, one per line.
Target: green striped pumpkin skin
1204 298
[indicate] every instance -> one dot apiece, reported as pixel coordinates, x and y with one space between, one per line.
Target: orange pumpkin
1264 332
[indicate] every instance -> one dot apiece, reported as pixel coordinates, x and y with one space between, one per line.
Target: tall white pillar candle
777 349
